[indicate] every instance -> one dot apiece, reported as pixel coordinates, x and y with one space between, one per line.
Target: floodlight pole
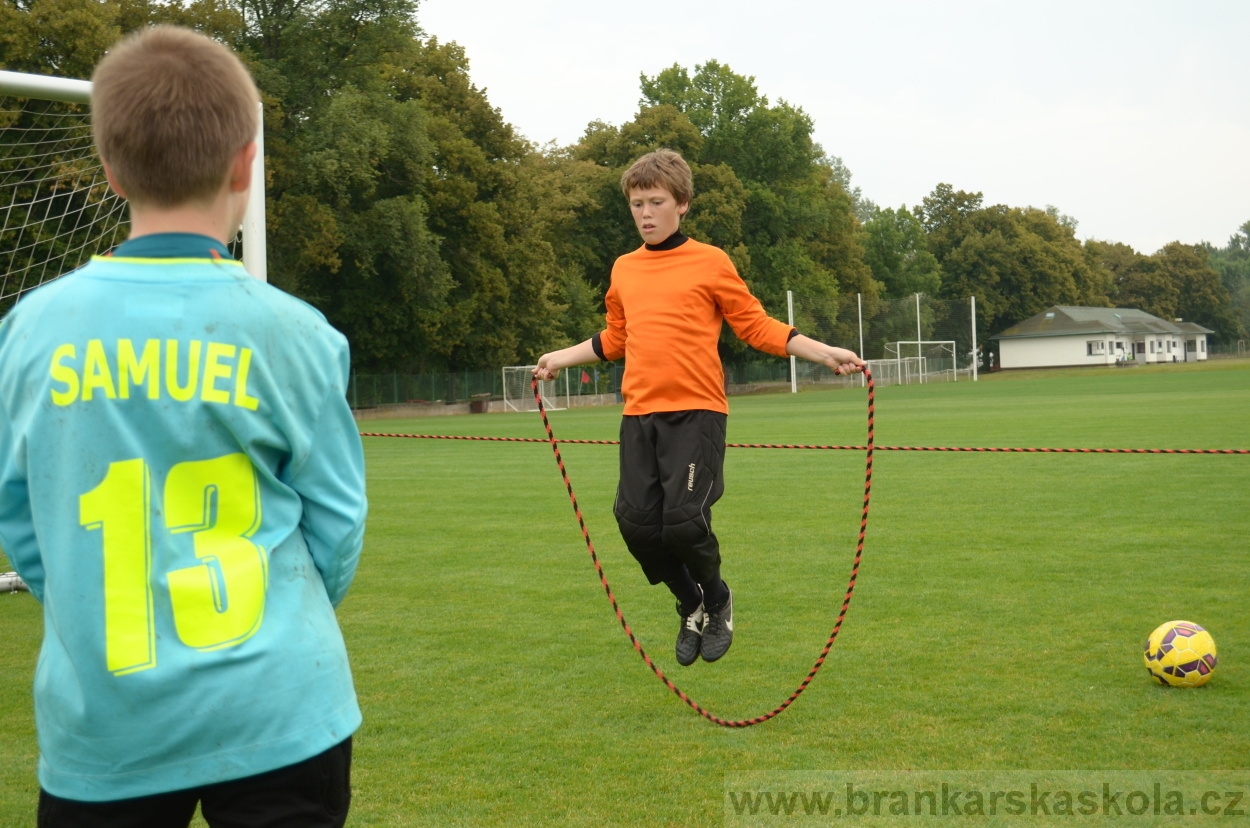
859 302
919 351
794 378
974 339
918 336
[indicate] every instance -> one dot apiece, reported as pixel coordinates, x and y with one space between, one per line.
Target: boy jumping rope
665 306
182 485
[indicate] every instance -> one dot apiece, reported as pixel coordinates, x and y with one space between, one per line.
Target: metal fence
376 390
1239 349
865 325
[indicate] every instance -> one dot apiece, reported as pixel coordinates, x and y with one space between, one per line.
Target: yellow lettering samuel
241 397
96 372
214 370
64 374
145 368
182 393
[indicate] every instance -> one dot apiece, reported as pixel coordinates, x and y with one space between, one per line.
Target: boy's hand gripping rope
846 601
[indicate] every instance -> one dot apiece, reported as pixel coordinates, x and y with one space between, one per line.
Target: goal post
924 360
518 393
56 209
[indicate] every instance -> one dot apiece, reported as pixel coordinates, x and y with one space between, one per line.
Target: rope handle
633 639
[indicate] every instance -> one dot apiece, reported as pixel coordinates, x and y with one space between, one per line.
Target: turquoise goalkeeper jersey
182 487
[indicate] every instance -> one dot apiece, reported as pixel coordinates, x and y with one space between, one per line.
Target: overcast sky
1131 117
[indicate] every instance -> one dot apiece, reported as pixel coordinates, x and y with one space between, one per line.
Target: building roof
1065 320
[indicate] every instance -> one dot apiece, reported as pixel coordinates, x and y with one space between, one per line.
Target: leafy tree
56 37
1233 264
1137 282
483 206
1176 282
799 229
1202 298
864 208
1017 262
896 249
399 200
714 99
764 190
347 162
945 215
51 224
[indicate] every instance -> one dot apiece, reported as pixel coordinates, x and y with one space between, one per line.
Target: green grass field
997 624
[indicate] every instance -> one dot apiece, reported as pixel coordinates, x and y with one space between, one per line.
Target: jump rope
846 602
859 544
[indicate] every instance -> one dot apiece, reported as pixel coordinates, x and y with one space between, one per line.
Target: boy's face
657 214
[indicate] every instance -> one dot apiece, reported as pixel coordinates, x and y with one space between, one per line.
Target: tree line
405 207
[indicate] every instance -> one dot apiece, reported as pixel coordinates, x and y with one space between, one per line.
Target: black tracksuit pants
672 471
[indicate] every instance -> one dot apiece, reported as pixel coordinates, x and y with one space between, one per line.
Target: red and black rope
859 546
488 439
1010 450
846 602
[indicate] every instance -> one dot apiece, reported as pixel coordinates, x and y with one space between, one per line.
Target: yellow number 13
218 603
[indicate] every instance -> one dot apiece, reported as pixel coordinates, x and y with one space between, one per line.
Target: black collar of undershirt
671 243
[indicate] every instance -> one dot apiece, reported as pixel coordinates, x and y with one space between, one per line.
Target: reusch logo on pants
690 479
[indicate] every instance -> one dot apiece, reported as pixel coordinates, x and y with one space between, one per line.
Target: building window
1202 345
1095 347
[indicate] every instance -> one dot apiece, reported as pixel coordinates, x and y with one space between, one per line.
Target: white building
1064 335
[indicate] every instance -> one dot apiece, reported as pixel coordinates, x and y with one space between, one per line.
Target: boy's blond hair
663 168
170 108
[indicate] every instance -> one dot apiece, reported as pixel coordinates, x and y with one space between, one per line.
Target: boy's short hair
170 108
662 168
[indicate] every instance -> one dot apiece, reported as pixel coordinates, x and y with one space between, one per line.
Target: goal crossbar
73 90
919 345
518 392
921 358
45 87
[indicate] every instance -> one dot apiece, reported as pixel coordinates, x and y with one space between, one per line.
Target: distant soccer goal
56 208
518 393
919 361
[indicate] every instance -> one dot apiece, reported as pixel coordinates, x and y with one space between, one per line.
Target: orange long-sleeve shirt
665 309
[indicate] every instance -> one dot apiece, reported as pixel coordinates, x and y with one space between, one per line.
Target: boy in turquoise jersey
182 485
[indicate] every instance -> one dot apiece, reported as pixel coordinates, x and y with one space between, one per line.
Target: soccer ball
1180 654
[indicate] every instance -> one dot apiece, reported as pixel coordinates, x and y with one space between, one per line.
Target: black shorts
314 793
672 472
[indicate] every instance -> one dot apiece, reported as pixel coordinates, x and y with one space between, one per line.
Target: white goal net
56 208
518 393
916 361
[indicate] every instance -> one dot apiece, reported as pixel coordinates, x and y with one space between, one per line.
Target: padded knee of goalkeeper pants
694 544
642 533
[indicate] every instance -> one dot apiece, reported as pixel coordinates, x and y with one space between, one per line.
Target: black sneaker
718 631
689 634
